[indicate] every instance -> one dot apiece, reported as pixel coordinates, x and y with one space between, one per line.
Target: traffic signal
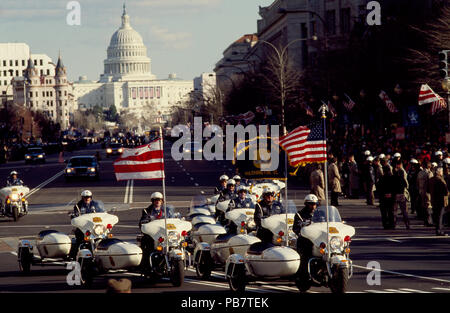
443 63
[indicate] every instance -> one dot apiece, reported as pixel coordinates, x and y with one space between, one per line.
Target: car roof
83 157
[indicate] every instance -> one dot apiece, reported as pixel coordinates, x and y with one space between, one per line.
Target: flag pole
286 191
164 188
324 108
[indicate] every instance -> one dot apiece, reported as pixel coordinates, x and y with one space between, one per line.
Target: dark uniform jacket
14 182
263 209
219 189
82 208
226 194
238 203
151 213
306 215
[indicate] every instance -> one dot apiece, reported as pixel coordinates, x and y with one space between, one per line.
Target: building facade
14 61
51 94
127 81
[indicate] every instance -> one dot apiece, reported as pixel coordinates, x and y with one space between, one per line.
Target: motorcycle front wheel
339 282
237 281
177 272
15 210
86 272
203 267
25 260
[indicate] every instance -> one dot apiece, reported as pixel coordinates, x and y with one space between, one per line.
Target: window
35 62
43 93
17 73
65 92
36 93
23 62
10 63
4 73
4 62
31 95
330 18
345 21
48 72
17 62
42 72
41 62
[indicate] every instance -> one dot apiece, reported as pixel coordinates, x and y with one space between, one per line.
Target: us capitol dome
126 55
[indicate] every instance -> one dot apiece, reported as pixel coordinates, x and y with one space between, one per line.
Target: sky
186 37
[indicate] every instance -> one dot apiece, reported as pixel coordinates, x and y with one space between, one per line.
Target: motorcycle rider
14 180
154 211
265 208
240 202
229 192
304 245
84 206
223 184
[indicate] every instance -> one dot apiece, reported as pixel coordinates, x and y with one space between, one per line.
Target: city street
411 261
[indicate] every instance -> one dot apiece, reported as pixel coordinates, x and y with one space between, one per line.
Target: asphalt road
410 261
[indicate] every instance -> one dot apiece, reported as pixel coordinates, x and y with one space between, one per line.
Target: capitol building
128 83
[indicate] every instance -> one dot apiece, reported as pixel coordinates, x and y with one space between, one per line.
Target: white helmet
237 177
447 160
242 188
311 198
382 156
224 177
268 190
367 153
438 153
370 159
231 182
397 155
13 173
414 161
434 164
86 193
156 195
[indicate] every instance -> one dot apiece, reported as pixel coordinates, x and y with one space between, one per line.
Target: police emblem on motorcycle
96 219
333 230
171 226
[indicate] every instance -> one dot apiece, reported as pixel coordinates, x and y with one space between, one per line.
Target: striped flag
390 105
427 95
308 110
144 162
305 144
349 104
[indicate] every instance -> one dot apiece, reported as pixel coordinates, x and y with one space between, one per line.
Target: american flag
390 105
305 144
427 95
349 104
144 162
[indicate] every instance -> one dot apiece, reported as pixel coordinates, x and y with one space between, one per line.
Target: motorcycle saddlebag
53 244
113 253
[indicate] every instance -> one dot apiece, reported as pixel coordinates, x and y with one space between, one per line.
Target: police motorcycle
275 261
208 256
204 225
257 187
330 264
13 202
169 256
100 252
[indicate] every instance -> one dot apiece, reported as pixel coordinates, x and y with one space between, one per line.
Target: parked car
35 155
114 149
82 166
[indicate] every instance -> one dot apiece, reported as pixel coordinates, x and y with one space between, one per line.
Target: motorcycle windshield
291 207
320 215
198 201
98 205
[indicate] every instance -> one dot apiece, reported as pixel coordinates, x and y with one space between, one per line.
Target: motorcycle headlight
28 157
99 230
14 197
173 238
40 156
91 169
336 243
120 150
108 150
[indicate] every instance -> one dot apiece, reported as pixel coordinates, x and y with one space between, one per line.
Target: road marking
130 195
415 290
378 291
13 253
394 240
397 238
126 192
397 290
441 288
402 274
40 186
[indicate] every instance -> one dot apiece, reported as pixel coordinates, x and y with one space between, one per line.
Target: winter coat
334 178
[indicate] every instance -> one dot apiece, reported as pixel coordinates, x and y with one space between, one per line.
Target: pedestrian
386 193
439 199
354 177
401 191
412 181
346 178
368 179
424 211
318 183
334 180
